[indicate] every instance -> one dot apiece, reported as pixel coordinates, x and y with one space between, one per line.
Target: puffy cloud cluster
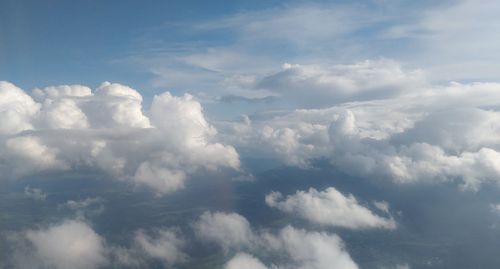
330 208
71 127
289 248
73 243
432 134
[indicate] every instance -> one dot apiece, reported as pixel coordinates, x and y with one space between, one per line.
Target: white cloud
73 243
28 155
35 193
329 208
244 261
146 247
16 109
58 92
64 114
296 248
160 246
70 244
108 131
165 245
312 249
436 134
229 230
315 85
122 106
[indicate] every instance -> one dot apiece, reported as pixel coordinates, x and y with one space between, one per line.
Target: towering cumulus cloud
71 127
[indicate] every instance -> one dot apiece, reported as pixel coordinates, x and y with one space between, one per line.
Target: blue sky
193 45
77 42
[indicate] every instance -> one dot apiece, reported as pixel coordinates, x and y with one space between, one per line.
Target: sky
249 134
153 46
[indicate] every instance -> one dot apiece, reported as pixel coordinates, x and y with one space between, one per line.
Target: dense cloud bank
71 127
419 133
396 125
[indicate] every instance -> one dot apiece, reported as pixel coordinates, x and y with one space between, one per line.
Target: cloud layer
426 133
324 86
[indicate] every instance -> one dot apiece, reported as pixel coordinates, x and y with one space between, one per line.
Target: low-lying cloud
289 248
329 208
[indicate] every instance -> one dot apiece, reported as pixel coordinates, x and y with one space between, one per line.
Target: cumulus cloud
228 230
146 247
71 127
27 154
311 249
70 244
296 248
163 245
16 109
330 208
73 243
